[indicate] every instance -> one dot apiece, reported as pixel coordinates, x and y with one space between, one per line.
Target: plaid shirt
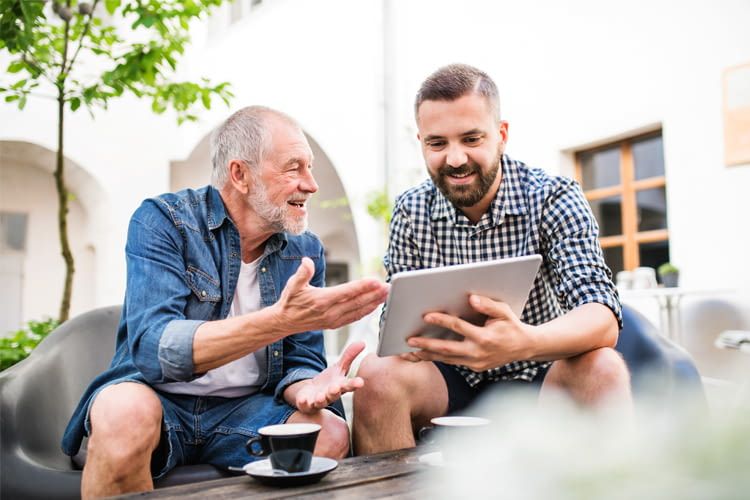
533 213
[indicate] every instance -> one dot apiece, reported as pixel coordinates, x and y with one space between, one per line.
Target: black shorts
461 394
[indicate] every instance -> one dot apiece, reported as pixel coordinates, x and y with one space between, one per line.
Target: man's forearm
219 342
582 329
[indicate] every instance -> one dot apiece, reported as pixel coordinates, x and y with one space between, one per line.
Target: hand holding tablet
446 289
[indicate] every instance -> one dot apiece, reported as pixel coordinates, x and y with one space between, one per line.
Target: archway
30 250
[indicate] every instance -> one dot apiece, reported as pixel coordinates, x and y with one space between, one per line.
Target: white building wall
570 74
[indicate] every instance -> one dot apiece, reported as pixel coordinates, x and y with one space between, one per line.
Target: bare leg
125 430
592 379
333 440
398 396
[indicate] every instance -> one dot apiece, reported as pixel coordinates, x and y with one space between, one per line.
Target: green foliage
89 53
667 268
379 207
83 54
19 344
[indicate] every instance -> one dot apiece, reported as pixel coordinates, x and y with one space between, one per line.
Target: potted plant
669 274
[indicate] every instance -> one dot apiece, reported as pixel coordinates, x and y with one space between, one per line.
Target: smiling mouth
297 203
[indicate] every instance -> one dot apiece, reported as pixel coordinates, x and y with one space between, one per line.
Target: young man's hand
502 339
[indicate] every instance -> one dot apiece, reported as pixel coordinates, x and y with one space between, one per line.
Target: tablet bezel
415 293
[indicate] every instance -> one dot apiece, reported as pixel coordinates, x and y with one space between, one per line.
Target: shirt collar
510 198
216 211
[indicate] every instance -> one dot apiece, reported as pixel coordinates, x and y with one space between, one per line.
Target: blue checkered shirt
533 213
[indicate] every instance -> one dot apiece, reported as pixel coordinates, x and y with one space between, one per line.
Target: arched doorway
30 262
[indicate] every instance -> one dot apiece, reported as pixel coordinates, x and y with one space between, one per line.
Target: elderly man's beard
276 218
466 195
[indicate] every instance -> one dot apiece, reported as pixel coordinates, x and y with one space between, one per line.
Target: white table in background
668 299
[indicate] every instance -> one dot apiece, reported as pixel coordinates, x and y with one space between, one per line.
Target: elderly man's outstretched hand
328 386
303 307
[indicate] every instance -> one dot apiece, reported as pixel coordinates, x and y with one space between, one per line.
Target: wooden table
395 473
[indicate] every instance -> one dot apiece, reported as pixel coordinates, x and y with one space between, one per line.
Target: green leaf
75 103
16 66
11 98
111 6
22 102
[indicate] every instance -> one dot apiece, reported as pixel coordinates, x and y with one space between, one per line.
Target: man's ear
504 131
239 176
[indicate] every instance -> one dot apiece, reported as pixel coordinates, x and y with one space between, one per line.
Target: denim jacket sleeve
160 337
304 353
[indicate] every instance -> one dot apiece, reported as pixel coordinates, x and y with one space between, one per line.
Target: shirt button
275 354
203 293
263 269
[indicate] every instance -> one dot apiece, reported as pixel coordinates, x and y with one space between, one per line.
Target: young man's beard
276 218
466 195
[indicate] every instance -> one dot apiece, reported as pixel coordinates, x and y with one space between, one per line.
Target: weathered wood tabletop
396 473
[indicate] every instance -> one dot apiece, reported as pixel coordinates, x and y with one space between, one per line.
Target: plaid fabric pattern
533 213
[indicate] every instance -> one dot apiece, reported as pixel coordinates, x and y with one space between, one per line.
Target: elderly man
479 204
220 329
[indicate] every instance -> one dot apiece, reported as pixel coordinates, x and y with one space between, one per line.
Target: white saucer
434 459
263 472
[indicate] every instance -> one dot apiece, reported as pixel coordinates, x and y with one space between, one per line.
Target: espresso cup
288 446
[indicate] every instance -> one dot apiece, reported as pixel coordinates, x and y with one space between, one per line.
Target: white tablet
446 289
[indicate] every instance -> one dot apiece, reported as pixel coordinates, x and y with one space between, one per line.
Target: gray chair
660 370
38 396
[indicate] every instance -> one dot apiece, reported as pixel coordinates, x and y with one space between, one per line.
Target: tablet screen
447 289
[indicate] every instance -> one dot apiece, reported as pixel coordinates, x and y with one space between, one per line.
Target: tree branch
83 36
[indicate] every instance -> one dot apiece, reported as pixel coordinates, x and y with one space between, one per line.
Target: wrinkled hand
503 338
328 386
303 307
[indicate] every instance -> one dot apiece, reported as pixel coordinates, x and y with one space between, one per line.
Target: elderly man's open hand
303 307
328 386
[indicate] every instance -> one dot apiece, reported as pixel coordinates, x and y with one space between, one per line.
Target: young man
479 205
219 333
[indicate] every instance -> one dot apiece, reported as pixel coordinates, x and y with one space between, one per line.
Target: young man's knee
384 378
607 366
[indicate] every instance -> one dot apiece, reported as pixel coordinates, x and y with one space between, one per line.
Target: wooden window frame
631 238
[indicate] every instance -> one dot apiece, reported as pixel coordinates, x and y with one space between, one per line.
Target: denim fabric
183 259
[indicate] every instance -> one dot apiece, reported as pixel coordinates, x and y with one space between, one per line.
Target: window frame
630 239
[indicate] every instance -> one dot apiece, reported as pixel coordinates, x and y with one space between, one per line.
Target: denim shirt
183 260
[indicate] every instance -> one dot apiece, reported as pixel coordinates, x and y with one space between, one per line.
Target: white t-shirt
242 376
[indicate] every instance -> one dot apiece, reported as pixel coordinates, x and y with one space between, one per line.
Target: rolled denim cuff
176 349
293 376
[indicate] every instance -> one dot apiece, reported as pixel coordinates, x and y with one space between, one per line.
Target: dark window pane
13 231
648 156
608 213
654 254
600 168
652 209
613 258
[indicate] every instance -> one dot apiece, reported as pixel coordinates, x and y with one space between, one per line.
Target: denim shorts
211 430
461 394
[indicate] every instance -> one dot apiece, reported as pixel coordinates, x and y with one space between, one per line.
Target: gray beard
275 218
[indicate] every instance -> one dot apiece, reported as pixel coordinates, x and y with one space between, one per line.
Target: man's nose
308 184
456 156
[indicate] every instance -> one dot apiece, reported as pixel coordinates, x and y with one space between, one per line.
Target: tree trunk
62 212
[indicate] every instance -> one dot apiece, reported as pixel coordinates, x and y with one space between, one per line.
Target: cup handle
258 451
425 435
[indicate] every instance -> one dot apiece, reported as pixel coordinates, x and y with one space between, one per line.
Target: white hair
243 136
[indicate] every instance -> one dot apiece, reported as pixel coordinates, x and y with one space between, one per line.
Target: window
625 185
